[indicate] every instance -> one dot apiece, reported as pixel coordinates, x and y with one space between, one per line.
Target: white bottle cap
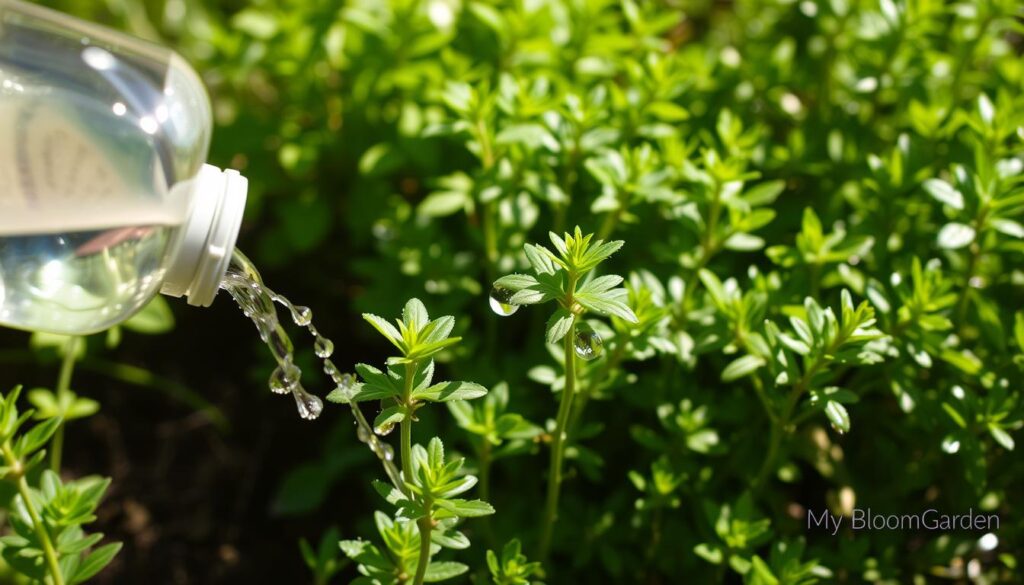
207 239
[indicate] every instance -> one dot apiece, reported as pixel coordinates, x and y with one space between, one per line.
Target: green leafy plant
427 507
47 542
560 277
512 567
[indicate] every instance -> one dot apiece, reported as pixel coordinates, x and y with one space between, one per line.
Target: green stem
588 390
558 441
611 220
406 426
815 277
485 471
484 487
490 239
57 448
49 553
67 367
784 423
763 397
425 525
774 442
709 247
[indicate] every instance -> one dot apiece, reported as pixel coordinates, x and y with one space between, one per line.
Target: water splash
244 284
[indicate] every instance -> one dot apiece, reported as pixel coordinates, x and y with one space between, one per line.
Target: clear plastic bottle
105 199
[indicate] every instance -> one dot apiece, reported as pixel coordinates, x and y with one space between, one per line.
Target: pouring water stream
243 282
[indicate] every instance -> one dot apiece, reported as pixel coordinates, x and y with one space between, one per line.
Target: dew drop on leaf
499 301
588 343
384 430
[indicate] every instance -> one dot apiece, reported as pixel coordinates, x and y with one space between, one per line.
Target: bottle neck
206 241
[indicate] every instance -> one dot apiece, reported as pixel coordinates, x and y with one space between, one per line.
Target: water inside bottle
257 301
79 282
87 212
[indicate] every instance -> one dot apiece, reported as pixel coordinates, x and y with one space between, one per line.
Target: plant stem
485 471
49 553
484 487
815 278
558 441
588 390
406 427
67 367
774 442
611 220
490 238
425 524
783 424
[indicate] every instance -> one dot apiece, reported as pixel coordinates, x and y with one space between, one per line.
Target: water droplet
384 429
387 452
588 343
284 378
332 372
323 347
950 444
988 542
499 301
309 406
302 316
363 434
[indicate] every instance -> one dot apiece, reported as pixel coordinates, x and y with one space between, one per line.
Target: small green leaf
667 111
711 553
440 571
838 416
155 318
540 259
443 203
384 328
944 193
37 436
466 508
389 417
606 305
954 236
559 324
446 391
1001 436
741 366
95 562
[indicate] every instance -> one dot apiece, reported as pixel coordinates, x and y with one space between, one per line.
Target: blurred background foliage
751 154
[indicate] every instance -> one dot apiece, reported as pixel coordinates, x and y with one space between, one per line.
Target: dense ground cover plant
821 207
